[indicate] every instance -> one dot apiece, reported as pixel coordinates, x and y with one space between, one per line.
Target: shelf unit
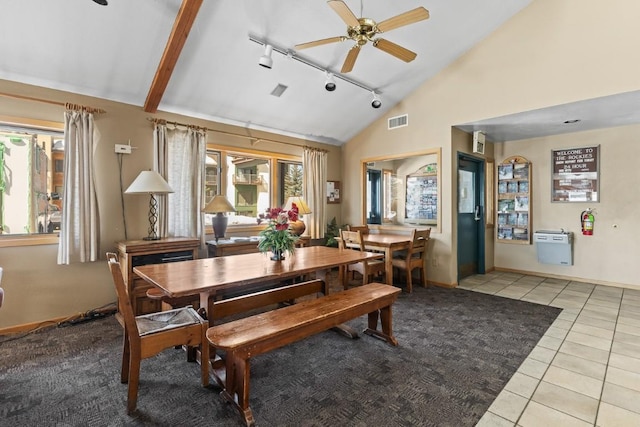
513 210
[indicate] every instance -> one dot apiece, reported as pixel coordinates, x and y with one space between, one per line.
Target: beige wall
36 288
553 52
611 254
550 53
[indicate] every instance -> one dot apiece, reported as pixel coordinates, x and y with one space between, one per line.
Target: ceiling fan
363 30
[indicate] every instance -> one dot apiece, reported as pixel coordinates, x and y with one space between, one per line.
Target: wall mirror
403 189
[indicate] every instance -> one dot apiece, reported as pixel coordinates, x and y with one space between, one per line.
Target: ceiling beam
181 27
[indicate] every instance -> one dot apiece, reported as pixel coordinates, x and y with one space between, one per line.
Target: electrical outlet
123 149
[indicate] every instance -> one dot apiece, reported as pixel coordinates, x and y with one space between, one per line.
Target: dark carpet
457 349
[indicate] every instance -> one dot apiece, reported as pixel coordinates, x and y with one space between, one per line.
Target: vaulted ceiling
200 58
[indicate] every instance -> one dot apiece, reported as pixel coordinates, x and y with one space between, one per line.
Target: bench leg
236 389
385 316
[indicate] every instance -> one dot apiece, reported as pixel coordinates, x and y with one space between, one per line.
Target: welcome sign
575 174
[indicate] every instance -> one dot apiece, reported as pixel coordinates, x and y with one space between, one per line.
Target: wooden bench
252 297
254 335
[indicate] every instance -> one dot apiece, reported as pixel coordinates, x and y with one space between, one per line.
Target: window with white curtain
31 180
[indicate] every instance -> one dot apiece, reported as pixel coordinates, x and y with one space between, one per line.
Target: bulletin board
421 205
333 192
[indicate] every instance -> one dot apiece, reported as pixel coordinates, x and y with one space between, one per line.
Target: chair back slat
352 240
124 302
420 238
362 228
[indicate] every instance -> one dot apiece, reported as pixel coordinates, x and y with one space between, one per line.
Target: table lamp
150 182
219 205
297 227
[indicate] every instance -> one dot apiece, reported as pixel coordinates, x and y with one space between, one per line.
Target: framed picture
333 191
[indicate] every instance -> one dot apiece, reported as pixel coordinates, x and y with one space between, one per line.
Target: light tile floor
585 370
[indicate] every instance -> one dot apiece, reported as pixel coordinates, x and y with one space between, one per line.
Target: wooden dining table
211 276
387 244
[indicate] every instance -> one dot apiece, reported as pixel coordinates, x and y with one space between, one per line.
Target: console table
238 246
133 253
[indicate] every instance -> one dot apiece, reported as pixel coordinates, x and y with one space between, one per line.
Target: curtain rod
254 139
66 105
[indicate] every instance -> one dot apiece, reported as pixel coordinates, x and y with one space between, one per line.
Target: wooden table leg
385 318
388 266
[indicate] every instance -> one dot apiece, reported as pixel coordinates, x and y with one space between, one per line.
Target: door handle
477 213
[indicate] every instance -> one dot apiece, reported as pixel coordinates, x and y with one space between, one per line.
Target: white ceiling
597 113
113 52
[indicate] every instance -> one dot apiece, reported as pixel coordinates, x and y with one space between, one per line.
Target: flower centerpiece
277 237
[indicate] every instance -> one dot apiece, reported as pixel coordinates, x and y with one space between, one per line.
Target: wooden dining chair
149 334
363 228
368 269
414 257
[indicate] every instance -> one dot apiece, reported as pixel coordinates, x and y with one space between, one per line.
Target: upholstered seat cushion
161 321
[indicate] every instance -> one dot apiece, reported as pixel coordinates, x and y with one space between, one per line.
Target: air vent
279 90
398 121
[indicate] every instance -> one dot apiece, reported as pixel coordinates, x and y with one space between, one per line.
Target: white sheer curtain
314 165
80 225
179 157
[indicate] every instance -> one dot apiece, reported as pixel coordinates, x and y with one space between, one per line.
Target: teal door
470 216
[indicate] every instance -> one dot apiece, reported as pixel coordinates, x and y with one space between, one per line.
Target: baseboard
28 327
60 321
564 277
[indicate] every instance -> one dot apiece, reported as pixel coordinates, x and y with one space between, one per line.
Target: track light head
376 103
265 60
330 84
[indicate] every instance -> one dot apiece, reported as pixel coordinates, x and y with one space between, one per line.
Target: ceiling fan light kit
363 30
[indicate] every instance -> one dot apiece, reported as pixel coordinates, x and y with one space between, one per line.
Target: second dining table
211 276
386 243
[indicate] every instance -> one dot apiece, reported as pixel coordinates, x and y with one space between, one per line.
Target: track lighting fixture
330 84
266 60
376 103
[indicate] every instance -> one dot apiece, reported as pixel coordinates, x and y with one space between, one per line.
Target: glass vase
277 255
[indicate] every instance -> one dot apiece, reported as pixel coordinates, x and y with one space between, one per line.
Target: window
252 182
29 200
290 180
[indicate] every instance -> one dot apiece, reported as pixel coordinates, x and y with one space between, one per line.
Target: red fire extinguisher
586 221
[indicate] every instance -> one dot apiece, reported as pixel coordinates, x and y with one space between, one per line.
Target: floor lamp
151 183
297 227
219 205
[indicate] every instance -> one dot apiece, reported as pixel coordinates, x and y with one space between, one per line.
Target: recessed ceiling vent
398 121
279 90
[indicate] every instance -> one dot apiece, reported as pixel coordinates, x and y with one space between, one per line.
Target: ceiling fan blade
396 50
350 60
415 15
320 42
345 13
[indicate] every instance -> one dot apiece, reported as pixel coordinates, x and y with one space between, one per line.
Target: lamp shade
219 203
302 206
149 182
